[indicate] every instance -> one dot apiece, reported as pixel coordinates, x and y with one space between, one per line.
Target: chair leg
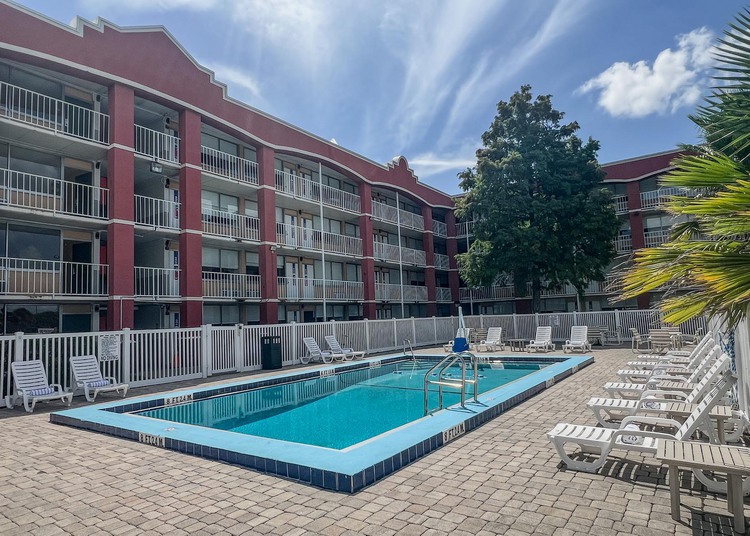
577 465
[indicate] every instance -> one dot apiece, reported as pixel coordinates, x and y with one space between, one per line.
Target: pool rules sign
109 347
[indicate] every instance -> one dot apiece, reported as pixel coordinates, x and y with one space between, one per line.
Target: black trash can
270 352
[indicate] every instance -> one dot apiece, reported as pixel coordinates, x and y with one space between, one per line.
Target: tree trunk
536 296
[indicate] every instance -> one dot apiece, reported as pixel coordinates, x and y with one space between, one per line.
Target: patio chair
88 376
655 401
542 341
30 380
693 339
460 333
492 341
578 339
636 375
336 348
691 359
314 352
708 338
634 390
630 435
637 341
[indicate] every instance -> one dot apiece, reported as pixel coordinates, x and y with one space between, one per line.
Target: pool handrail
445 363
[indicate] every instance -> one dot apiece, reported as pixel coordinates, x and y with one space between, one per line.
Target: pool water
336 411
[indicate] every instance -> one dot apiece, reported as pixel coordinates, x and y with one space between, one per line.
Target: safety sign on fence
109 347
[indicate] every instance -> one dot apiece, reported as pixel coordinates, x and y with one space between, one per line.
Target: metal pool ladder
441 381
407 342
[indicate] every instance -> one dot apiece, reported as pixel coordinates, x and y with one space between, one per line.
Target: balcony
443 295
157 283
230 224
416 257
494 292
621 204
298 237
415 293
231 286
309 190
228 166
464 229
623 244
397 216
386 252
440 229
442 262
656 238
300 289
157 213
60 117
36 278
387 292
157 145
656 199
55 196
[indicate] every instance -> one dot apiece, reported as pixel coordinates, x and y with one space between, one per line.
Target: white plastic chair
578 339
349 353
88 376
542 341
493 341
30 380
314 352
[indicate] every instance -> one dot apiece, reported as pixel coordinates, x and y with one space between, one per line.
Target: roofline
642 157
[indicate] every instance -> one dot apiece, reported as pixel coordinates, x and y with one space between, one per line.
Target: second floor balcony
404 218
310 190
399 255
623 244
158 145
656 237
443 295
55 196
464 229
43 278
440 229
492 292
442 262
306 289
155 283
621 204
228 166
230 224
233 286
390 292
300 237
157 213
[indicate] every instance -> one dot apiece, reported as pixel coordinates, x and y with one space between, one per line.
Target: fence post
206 353
18 347
434 328
481 321
575 318
618 326
126 355
395 334
333 328
367 335
414 331
515 326
536 319
295 336
238 357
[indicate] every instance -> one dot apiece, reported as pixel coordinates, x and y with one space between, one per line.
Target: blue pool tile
369 475
379 469
281 468
330 480
292 470
358 481
305 474
316 477
344 483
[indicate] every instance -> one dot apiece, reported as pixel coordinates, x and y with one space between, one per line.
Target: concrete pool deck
502 478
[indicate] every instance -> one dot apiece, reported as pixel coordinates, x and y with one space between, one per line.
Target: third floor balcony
228 166
389 292
230 224
442 262
440 229
158 145
221 285
623 244
621 204
397 216
656 237
397 255
307 289
300 237
310 190
157 213
155 283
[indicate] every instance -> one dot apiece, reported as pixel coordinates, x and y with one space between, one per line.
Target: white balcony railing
296 236
387 292
621 203
32 277
157 213
57 196
464 229
310 190
156 144
415 293
657 198
439 228
342 244
494 292
228 165
656 238
443 294
383 212
300 289
442 262
222 285
157 282
386 252
22 105
230 224
416 257
623 244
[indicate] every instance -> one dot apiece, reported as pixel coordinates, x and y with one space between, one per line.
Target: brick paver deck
503 478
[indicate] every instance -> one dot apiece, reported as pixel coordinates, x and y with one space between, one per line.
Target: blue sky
422 78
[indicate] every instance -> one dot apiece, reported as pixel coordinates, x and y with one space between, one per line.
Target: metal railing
440 228
230 224
387 292
494 292
442 262
18 189
416 257
32 108
656 238
33 277
156 144
157 282
157 213
296 236
443 294
386 252
224 285
464 229
297 288
623 244
228 165
621 203
657 198
384 212
304 188
415 293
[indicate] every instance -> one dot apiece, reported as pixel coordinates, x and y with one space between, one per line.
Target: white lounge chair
314 352
630 436
642 375
650 361
88 376
578 339
493 341
654 401
30 380
634 390
349 353
460 333
542 341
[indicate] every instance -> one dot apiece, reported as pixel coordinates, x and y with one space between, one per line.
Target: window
33 243
34 162
220 260
219 144
221 315
31 318
351 229
217 201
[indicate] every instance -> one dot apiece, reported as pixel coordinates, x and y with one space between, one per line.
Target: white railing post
333 328
395 334
206 353
434 329
515 326
126 355
238 346
481 321
367 335
536 319
618 326
575 319
414 331
18 346
295 336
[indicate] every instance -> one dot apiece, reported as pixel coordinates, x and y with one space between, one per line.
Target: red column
191 262
428 239
120 232
368 259
452 247
269 305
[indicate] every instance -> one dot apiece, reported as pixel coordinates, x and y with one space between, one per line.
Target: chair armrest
656 421
642 433
57 387
650 394
111 379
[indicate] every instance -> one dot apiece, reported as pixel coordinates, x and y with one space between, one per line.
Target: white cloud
676 79
233 76
433 163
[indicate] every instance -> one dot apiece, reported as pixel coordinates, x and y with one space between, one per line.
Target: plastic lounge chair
630 436
336 348
460 333
689 360
673 355
634 390
578 339
314 352
493 340
30 380
88 376
637 341
654 401
642 375
542 341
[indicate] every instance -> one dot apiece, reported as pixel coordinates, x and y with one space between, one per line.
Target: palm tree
705 266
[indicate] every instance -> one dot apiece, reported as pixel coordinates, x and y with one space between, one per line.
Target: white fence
150 357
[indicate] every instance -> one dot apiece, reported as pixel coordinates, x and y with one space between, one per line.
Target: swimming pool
347 466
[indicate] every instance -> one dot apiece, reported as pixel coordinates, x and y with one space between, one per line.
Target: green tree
705 266
541 213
